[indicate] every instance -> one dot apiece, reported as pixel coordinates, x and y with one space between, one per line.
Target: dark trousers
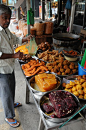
7 90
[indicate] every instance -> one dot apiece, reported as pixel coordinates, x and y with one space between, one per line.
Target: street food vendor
7 60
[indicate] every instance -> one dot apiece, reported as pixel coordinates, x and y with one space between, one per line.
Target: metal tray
45 99
71 78
35 88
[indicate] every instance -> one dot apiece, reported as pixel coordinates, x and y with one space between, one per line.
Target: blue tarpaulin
68 4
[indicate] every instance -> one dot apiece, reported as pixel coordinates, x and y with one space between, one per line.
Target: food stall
48 60
53 71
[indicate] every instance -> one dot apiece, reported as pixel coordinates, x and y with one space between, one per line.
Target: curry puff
77 87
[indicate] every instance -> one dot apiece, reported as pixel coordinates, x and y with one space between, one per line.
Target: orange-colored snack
22 48
45 82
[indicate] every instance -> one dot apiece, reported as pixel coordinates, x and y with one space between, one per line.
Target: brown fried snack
71 66
67 71
61 70
65 66
84 77
79 77
59 73
63 84
74 70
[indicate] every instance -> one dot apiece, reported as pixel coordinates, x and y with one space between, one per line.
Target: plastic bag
32 48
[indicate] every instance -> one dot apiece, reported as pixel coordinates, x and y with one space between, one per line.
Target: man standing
7 58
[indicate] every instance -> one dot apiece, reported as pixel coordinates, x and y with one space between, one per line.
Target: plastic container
81 70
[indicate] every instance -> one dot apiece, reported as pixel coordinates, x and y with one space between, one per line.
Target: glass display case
79 16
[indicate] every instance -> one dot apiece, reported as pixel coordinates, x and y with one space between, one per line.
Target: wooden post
28 7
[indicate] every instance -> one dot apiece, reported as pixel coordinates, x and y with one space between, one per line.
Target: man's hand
29 37
18 55
25 39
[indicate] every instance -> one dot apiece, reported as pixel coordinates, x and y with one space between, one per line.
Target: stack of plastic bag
32 48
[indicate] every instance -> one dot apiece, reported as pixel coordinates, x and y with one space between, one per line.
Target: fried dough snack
62 67
34 67
50 56
78 87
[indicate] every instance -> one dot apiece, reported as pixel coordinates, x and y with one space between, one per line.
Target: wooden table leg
41 125
27 94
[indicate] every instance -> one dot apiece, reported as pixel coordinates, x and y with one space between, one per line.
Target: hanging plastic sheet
68 4
30 17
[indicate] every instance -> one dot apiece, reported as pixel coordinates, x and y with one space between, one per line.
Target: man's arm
16 55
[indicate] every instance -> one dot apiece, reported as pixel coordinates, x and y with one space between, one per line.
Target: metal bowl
45 98
70 57
35 88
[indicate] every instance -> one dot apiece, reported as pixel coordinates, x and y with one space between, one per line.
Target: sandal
10 123
17 104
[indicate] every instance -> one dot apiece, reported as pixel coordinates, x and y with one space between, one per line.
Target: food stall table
45 123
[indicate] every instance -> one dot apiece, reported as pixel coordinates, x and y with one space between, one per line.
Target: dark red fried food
48 108
62 102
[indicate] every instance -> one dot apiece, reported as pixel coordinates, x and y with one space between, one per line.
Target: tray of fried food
44 46
34 67
26 58
75 84
50 56
71 53
59 105
62 67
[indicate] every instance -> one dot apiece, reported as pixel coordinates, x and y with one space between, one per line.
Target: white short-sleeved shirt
7 40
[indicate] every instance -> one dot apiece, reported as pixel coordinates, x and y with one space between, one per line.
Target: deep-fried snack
81 96
65 62
63 73
74 70
68 85
84 77
61 70
78 86
65 66
67 71
79 77
82 81
33 67
72 83
69 90
63 84
73 89
80 91
84 85
76 93
85 96
84 90
59 73
71 63
71 66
